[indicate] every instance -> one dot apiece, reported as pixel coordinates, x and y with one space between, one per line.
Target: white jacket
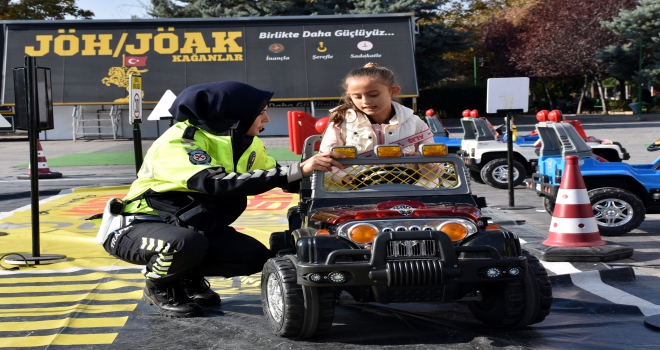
356 130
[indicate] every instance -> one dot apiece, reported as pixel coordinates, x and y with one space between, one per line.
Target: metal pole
475 70
33 134
509 157
639 85
137 145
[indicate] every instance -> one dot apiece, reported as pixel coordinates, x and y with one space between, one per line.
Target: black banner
299 58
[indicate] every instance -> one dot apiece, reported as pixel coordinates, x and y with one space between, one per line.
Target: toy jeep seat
562 139
477 129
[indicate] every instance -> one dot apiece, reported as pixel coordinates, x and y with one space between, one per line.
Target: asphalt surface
582 306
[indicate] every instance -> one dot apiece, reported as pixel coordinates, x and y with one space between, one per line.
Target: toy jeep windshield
395 229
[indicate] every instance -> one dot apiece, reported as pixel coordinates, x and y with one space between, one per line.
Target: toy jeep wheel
495 173
293 310
476 176
277 241
616 211
516 304
548 205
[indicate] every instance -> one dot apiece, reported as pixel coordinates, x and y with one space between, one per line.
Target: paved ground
609 320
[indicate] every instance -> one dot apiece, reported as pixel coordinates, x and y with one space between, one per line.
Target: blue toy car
620 193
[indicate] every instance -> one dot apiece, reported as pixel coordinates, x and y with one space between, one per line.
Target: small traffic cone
573 233
43 171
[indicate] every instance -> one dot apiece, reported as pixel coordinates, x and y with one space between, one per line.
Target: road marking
558 268
591 282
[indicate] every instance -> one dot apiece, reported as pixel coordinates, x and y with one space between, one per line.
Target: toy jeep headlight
348 151
433 150
457 230
362 233
383 151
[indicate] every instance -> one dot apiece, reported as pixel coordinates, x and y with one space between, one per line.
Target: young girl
370 117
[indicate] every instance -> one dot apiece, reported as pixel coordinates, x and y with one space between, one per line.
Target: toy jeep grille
412 248
426 175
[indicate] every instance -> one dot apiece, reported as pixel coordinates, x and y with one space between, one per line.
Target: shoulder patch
199 157
250 163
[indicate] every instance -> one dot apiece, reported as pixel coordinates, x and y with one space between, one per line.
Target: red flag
137 61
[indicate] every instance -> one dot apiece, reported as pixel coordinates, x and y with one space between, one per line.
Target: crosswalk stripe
68 322
62 310
64 298
69 287
591 282
58 339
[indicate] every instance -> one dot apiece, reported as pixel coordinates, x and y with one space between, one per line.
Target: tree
634 25
42 9
564 42
434 39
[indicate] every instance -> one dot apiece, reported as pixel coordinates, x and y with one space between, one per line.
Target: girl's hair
371 70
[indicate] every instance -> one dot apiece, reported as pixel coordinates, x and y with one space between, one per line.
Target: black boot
199 290
654 146
170 299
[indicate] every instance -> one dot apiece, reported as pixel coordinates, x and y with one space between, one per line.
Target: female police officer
193 184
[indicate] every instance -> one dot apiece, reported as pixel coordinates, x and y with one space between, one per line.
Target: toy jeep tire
617 211
476 177
494 173
277 242
516 304
293 310
548 205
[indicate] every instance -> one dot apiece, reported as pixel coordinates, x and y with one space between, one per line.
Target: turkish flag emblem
135 61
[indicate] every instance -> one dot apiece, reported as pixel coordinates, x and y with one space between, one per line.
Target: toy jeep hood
394 209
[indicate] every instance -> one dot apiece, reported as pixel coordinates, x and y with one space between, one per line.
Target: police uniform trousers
168 251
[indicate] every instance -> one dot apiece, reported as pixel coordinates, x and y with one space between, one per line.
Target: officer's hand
322 161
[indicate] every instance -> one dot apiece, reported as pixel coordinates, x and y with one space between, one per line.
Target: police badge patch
199 157
250 163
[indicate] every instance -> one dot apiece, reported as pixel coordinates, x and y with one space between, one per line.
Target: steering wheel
390 174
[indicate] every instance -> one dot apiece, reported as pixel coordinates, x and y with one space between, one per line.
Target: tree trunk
622 90
600 92
547 93
584 91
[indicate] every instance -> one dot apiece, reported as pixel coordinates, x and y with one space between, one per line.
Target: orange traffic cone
43 171
573 233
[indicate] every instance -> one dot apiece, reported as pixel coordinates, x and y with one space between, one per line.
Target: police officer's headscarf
222 108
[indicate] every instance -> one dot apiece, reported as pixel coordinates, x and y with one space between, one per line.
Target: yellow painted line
92 322
66 278
63 310
58 339
67 298
69 287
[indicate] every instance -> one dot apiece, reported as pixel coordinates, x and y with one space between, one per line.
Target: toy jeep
621 194
393 229
486 156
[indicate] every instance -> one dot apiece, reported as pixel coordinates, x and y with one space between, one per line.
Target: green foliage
433 41
41 9
451 99
641 23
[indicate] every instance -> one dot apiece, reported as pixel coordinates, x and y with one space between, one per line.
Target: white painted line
591 282
558 268
28 270
6 214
